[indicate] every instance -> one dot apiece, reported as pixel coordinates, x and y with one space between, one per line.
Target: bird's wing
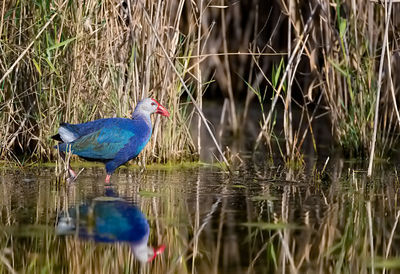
71 132
103 144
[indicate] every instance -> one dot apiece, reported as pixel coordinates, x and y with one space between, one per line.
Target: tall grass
346 47
67 61
95 59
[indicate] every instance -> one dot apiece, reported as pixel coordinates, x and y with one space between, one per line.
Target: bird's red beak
157 250
161 110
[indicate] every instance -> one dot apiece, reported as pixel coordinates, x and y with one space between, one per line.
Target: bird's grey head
148 106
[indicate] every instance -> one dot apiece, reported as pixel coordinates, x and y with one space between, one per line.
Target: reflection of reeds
262 223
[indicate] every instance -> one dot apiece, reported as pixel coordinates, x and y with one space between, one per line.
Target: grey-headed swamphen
113 141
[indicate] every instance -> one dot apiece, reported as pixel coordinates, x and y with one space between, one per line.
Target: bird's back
104 139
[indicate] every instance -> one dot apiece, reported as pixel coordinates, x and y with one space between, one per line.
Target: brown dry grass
93 60
97 59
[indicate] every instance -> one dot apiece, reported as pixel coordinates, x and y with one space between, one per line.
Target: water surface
259 220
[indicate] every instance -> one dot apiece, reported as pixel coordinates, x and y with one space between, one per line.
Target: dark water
261 219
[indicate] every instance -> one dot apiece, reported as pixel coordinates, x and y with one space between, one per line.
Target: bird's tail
57 137
66 134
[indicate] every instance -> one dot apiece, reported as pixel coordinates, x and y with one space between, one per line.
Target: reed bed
94 59
340 56
64 61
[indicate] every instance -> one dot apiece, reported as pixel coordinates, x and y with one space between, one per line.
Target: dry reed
63 61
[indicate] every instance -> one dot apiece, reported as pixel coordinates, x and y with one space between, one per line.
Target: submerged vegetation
78 61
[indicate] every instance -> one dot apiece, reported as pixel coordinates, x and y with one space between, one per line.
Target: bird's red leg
108 178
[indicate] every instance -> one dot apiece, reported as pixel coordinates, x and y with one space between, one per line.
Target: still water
201 220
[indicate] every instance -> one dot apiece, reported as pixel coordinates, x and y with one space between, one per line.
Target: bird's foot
72 173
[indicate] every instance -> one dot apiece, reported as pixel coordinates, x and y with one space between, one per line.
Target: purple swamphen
113 141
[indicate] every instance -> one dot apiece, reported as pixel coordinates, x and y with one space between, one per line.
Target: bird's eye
153 104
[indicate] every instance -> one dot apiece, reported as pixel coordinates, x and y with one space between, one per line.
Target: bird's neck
137 115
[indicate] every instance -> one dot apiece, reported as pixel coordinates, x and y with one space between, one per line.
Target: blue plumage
110 219
113 141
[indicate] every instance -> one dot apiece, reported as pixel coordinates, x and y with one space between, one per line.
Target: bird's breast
137 143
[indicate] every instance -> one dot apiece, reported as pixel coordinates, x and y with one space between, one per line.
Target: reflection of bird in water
111 219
